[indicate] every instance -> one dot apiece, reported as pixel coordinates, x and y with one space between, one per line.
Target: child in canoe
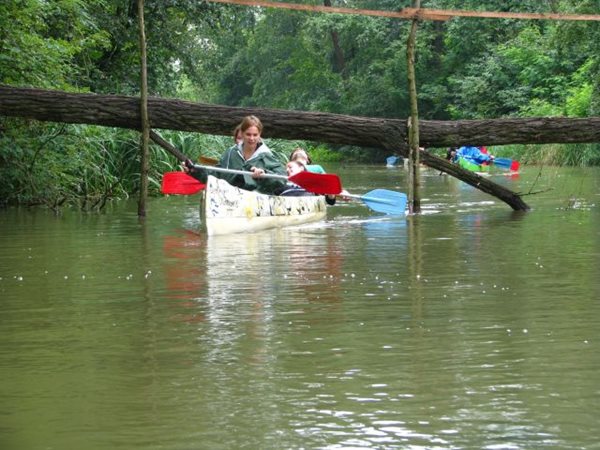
293 190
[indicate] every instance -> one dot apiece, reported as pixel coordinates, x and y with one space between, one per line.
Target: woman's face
251 136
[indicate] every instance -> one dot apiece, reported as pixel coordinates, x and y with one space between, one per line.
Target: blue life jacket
473 154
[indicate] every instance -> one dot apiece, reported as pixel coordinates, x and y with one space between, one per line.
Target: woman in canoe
474 155
251 155
299 154
290 189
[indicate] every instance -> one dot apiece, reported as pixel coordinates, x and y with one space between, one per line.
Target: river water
469 326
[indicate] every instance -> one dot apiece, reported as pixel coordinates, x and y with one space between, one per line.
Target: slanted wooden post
145 125
414 175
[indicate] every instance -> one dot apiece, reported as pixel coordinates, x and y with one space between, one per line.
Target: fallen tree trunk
390 134
509 197
123 112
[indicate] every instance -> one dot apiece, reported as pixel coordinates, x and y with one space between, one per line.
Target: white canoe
225 209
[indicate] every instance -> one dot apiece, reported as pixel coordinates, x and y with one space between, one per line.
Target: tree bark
390 134
414 178
339 62
509 197
144 122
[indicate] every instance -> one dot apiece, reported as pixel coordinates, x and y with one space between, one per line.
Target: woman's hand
187 166
343 194
257 172
197 172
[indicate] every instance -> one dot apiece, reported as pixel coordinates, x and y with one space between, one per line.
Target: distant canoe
393 161
226 209
473 167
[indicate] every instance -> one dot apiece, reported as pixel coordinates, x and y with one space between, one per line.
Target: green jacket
262 158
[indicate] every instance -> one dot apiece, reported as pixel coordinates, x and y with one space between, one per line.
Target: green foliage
324 154
350 64
540 108
194 145
46 44
72 164
551 154
580 94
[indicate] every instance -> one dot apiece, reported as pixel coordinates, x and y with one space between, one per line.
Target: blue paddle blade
503 162
386 202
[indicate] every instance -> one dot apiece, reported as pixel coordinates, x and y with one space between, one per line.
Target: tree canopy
239 55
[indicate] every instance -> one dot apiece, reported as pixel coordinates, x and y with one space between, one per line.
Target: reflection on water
184 277
471 326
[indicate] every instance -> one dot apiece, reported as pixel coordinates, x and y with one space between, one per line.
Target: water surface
470 326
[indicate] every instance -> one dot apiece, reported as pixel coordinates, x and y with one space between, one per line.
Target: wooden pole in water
414 198
145 125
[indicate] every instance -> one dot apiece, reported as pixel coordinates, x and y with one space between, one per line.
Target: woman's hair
298 150
251 121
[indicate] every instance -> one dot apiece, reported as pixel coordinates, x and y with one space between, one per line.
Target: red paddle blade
515 166
180 183
318 183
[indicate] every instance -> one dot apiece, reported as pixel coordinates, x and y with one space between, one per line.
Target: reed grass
574 155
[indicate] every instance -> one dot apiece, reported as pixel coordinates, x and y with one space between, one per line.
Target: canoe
225 209
391 161
473 167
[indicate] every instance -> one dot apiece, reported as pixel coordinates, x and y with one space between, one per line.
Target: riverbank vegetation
467 68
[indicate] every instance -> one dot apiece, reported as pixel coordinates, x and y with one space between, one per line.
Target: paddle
383 201
317 183
507 163
180 183
183 184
